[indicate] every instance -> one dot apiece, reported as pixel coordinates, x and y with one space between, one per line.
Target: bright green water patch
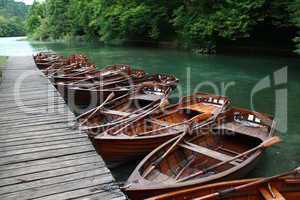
241 73
2 60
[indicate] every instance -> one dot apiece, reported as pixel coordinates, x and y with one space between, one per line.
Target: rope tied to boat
111 187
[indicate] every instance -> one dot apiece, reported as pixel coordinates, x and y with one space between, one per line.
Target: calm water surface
242 72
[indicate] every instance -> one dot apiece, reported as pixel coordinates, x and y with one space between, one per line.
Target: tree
12 15
58 21
35 17
192 23
295 10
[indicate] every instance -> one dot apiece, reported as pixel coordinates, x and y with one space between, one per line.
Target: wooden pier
42 155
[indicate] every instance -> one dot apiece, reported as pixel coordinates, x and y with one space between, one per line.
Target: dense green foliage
190 23
2 60
295 9
12 18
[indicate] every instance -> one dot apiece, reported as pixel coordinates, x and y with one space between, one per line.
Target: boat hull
81 100
115 151
136 194
287 187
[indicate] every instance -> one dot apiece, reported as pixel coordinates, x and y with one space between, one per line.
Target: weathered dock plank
42 154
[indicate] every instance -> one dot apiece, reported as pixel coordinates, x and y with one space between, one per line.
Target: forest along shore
3 60
203 26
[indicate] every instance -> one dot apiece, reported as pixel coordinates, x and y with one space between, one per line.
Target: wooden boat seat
147 97
292 180
271 193
245 130
166 124
208 152
162 177
119 113
158 122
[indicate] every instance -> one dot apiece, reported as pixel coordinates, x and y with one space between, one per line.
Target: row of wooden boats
82 84
199 140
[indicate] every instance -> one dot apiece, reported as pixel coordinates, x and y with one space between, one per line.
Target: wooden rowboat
283 188
45 57
90 73
227 150
48 63
75 63
166 79
65 70
93 91
144 133
143 98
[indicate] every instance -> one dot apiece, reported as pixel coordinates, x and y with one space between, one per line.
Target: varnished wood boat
166 79
227 150
93 91
91 73
283 188
141 135
44 60
119 110
50 63
61 70
73 64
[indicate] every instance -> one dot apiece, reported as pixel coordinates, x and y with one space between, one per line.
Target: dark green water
243 72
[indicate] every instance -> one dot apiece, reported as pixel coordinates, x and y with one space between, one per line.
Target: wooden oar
155 164
137 118
96 84
203 116
180 137
226 192
128 117
75 74
88 69
271 141
123 119
62 68
89 111
129 122
95 111
92 77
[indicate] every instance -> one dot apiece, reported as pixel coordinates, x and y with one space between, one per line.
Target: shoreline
238 49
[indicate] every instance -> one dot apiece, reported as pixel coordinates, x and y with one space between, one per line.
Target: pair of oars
137 118
120 120
104 76
123 120
207 122
271 141
127 119
61 68
88 69
232 190
96 109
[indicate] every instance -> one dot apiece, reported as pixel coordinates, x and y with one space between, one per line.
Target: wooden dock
42 155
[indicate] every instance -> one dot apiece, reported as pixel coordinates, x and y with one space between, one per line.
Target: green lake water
209 74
